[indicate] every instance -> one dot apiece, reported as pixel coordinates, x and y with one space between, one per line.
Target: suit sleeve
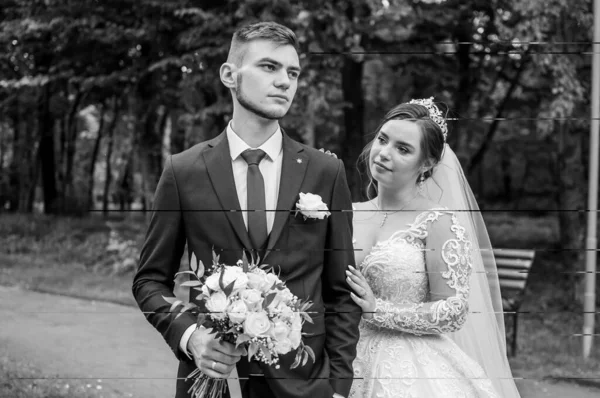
159 262
342 315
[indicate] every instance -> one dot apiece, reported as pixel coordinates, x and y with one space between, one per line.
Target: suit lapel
218 165
293 169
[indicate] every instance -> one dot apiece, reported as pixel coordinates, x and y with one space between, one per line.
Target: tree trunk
71 135
109 149
177 133
352 72
95 151
47 152
571 200
464 90
505 156
125 197
14 182
477 158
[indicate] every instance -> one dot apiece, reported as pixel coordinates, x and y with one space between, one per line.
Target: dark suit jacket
193 203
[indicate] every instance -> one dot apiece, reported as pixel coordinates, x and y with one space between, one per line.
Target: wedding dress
420 277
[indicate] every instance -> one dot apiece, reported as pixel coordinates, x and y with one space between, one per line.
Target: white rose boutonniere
312 206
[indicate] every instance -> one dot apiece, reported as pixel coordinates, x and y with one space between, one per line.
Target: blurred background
95 94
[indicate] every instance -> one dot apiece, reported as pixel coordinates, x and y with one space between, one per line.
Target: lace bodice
420 276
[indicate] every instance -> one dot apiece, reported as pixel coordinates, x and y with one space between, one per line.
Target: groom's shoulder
190 155
322 159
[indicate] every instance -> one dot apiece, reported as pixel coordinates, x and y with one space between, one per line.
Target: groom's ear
228 74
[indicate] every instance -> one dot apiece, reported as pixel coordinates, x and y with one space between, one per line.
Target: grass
19 379
69 256
551 314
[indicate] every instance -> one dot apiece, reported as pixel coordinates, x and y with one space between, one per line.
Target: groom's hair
271 31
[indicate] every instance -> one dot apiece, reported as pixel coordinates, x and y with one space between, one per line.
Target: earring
421 183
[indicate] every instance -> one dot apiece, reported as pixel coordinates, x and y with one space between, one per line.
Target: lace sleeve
448 265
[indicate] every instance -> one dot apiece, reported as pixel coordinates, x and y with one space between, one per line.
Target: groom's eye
269 67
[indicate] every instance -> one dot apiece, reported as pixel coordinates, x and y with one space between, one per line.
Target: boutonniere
312 206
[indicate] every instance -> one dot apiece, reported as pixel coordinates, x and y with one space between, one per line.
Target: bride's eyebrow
384 135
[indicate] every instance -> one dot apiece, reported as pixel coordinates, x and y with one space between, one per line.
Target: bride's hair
432 140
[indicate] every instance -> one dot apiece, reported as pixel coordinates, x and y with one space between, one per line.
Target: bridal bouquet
248 306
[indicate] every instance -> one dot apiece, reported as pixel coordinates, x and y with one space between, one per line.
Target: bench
513 269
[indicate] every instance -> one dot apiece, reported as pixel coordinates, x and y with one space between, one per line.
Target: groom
253 164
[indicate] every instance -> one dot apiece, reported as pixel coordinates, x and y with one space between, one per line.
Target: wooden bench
513 269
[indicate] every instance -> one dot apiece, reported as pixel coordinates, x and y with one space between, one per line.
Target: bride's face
395 157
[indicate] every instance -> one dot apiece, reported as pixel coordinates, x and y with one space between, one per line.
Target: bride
432 322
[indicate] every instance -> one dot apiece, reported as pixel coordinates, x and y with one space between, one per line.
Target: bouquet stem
206 387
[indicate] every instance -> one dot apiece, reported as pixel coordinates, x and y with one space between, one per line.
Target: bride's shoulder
429 211
427 206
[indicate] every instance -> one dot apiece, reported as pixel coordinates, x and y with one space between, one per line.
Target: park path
113 346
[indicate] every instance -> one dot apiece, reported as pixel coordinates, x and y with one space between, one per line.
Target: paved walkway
115 347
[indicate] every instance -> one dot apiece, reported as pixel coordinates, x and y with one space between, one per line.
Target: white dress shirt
270 168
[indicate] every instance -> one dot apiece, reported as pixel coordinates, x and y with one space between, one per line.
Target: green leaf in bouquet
241 339
231 330
194 263
173 301
310 352
229 288
306 305
252 350
200 320
297 359
183 309
184 272
268 300
215 257
304 358
266 352
191 284
202 306
170 300
221 281
306 317
201 268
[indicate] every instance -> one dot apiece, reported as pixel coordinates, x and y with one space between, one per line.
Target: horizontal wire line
317 378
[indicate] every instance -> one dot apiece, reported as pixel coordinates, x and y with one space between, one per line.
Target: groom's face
267 79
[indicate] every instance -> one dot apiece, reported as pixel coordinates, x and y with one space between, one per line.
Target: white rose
204 290
296 332
280 330
237 311
312 206
285 295
257 324
217 304
230 274
285 312
283 346
252 298
258 281
272 279
212 282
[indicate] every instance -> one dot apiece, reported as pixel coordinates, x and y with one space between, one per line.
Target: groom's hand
213 357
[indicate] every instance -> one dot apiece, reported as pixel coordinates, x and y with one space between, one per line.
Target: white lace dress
420 278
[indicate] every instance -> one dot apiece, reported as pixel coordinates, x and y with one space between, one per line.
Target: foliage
152 68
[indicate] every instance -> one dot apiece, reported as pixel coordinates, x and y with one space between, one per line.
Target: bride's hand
362 295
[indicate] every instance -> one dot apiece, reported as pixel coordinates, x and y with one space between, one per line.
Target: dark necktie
257 217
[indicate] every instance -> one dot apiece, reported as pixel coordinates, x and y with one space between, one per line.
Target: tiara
434 113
